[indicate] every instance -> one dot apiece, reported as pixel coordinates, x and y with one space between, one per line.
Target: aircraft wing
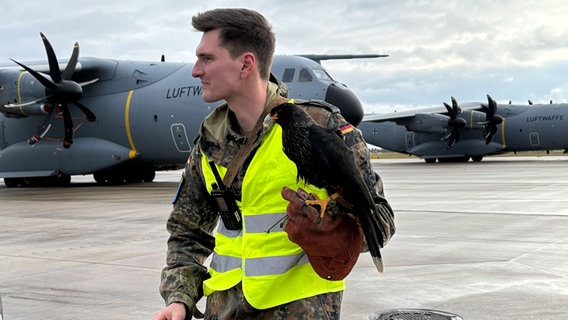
402 116
319 57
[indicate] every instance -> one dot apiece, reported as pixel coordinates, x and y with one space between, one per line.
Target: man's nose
196 71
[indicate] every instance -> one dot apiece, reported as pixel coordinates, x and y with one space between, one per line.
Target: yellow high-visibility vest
273 270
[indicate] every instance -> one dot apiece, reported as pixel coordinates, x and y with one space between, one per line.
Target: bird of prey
324 160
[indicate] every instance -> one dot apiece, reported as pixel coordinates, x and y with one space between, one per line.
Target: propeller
492 120
60 91
454 124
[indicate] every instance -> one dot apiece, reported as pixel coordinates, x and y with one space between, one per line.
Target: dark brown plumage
324 160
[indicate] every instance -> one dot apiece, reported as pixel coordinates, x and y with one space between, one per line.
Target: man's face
219 73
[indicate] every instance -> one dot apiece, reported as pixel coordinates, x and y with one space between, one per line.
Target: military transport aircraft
121 120
470 130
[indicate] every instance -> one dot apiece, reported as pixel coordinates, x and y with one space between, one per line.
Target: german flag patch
346 128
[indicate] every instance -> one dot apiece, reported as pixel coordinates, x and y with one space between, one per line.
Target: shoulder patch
346 128
317 103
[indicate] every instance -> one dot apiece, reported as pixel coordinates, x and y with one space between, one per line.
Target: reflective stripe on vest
273 270
258 266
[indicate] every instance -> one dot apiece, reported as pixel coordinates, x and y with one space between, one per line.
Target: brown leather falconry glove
332 243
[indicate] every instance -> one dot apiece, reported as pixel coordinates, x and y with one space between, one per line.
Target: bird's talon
322 203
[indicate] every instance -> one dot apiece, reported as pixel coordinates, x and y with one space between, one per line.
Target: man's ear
248 64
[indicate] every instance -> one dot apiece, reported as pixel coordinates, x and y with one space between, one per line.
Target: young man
256 272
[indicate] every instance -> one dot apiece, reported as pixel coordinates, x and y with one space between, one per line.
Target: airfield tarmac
484 240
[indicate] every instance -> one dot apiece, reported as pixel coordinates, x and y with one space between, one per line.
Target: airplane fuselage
147 114
524 128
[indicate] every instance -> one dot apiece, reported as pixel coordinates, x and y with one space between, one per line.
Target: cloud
514 50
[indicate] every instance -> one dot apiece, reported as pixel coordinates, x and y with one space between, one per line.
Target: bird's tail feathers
378 228
374 241
378 261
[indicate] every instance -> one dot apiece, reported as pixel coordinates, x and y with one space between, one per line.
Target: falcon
324 160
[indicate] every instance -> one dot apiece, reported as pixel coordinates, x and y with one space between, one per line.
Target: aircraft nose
343 98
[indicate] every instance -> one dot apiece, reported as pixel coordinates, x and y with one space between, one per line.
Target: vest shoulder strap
236 163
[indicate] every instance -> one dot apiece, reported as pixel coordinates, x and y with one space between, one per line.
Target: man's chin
209 100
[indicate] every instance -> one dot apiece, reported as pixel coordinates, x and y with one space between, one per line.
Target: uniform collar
217 132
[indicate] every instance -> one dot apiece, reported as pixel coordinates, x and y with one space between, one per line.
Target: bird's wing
342 171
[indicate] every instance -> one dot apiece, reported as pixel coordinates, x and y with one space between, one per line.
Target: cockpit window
305 75
322 74
288 75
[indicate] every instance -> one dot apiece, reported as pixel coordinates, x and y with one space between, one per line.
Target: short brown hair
242 30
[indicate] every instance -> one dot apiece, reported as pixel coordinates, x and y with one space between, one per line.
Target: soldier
237 170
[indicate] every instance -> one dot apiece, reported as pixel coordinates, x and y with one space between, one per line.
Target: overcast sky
512 50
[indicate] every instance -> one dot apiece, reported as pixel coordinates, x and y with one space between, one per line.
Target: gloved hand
332 243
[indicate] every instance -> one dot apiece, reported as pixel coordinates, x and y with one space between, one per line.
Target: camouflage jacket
194 217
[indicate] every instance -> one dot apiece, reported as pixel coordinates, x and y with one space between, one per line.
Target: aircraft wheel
110 177
454 159
133 176
117 176
27 182
63 180
148 175
11 182
140 175
98 178
115 180
476 158
103 178
430 160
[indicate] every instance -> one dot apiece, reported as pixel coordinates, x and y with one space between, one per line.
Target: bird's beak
269 120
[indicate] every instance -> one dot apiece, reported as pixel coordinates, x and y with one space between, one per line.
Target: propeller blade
492 105
447 135
90 115
43 80
453 139
54 70
489 135
21 105
452 136
59 91
454 111
492 120
450 111
456 108
86 83
45 126
454 124
68 122
70 68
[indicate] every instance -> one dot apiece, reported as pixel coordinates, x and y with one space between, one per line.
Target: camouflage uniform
194 218
231 304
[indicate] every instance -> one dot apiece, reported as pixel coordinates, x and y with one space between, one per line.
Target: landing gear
454 159
123 176
62 180
106 177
